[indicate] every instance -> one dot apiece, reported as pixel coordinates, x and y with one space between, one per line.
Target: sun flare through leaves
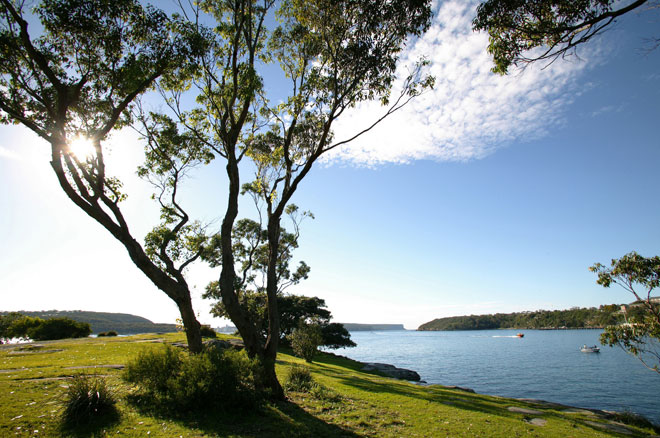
82 148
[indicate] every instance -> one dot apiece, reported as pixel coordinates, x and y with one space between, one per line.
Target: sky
487 194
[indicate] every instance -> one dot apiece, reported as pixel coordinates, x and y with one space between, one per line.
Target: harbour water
544 364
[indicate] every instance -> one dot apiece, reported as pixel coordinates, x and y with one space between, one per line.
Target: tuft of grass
88 398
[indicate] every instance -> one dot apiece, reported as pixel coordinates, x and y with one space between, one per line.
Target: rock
392 371
524 410
537 421
611 427
460 388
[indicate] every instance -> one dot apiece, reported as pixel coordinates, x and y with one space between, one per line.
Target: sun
82 148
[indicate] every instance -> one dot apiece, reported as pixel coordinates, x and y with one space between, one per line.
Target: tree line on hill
122 323
576 317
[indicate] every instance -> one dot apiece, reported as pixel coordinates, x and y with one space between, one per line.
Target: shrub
207 332
305 340
172 379
299 379
58 328
20 326
111 333
88 398
102 334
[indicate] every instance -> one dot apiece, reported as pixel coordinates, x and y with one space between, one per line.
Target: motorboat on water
520 335
593 349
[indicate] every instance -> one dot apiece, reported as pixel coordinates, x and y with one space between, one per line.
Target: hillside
542 319
122 323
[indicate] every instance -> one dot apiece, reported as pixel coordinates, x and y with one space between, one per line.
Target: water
545 364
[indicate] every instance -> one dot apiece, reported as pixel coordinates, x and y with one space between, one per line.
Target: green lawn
353 403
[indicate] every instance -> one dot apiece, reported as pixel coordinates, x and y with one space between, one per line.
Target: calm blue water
545 364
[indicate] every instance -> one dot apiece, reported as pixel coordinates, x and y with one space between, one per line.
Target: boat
520 335
593 349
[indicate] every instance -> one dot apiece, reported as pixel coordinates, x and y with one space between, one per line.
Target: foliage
572 318
46 329
305 340
59 328
110 333
214 379
557 27
334 335
293 309
299 379
640 334
88 398
6 322
207 332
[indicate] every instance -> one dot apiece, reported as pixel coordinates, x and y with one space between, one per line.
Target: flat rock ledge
392 371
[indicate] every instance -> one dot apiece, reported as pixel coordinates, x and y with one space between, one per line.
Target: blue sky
488 194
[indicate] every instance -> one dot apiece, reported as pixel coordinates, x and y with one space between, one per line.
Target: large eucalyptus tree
335 54
76 78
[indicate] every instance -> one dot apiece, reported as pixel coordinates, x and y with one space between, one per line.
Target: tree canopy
556 28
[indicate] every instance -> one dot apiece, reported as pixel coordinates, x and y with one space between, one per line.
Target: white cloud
471 111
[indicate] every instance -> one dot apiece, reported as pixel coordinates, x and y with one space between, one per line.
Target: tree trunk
269 378
191 324
270 349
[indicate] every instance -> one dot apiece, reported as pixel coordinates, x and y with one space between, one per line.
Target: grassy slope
356 404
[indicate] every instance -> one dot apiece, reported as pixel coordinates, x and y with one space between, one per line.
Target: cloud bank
470 112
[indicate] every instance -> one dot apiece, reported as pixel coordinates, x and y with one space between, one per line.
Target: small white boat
593 349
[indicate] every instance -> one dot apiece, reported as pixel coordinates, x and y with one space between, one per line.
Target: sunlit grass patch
342 401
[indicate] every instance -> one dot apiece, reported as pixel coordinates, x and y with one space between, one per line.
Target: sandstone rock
392 371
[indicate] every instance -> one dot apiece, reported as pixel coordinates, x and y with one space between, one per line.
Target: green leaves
640 334
516 27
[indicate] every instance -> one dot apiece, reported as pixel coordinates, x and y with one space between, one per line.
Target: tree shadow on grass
280 419
94 427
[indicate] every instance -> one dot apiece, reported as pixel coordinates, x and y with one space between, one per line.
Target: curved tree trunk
190 323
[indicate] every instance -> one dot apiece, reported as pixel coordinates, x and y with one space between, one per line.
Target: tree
640 335
6 322
77 80
335 54
558 27
251 255
294 309
305 340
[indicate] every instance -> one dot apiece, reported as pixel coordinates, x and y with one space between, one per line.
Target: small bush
88 398
111 333
174 380
102 334
299 379
207 332
305 340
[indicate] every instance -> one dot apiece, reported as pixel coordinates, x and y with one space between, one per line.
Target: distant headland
574 318
122 323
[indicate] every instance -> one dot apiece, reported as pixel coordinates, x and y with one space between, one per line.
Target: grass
345 402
